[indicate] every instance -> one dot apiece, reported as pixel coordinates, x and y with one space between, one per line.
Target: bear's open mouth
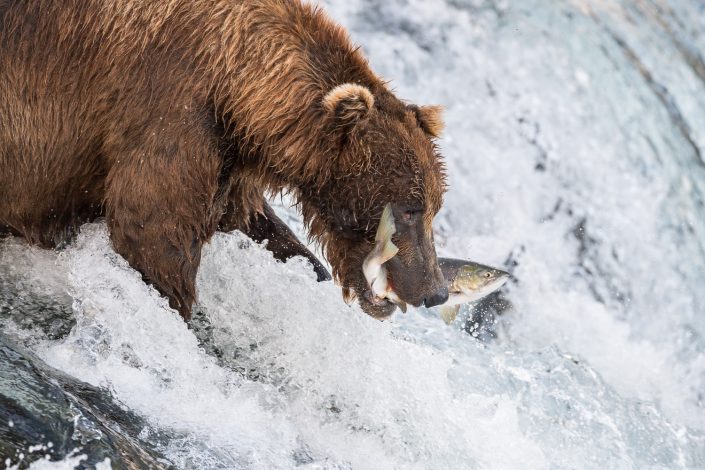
370 297
379 307
389 300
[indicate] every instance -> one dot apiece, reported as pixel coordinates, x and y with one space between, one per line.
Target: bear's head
381 151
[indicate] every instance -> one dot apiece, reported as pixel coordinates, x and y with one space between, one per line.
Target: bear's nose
438 298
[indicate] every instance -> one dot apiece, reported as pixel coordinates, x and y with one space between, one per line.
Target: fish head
477 280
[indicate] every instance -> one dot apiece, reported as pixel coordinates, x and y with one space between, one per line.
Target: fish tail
388 252
386 225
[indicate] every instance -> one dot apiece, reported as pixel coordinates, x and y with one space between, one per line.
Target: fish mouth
474 295
493 286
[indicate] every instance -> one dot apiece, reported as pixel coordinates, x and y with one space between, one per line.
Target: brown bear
172 118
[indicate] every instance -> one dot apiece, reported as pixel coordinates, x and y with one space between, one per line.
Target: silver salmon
467 281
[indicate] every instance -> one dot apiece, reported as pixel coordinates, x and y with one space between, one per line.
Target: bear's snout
438 298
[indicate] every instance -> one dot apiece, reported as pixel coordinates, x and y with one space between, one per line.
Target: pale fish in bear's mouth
375 273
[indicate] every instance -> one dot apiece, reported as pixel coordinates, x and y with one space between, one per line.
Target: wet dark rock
31 310
44 413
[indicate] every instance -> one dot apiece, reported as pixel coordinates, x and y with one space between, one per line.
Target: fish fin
402 306
449 312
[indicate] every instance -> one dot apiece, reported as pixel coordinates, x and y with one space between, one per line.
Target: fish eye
488 274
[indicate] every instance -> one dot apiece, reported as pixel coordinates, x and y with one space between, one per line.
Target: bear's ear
430 119
349 104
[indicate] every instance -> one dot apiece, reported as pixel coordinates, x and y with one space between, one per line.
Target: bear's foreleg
161 207
281 241
259 222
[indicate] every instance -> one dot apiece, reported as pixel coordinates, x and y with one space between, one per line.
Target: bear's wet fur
172 117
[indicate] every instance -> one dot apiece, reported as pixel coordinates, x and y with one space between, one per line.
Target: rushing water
575 148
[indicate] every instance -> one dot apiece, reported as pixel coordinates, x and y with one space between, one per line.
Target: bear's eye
411 214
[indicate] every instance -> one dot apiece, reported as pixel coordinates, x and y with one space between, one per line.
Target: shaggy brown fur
162 114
